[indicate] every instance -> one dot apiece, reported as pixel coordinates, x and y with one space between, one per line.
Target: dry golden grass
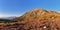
36 19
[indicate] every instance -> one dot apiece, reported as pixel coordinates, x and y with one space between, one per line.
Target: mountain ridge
39 13
40 19
36 19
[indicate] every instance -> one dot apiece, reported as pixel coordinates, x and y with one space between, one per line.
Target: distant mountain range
8 18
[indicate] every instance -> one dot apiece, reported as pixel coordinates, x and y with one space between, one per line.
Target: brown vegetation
37 19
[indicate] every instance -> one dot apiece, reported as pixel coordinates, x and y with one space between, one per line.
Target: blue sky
19 7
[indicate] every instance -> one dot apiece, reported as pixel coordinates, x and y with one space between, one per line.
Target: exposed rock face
37 19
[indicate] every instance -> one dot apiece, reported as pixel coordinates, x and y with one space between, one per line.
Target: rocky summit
36 19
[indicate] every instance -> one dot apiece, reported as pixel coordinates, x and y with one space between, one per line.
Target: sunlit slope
36 19
38 14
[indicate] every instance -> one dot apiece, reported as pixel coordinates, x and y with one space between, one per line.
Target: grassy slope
37 16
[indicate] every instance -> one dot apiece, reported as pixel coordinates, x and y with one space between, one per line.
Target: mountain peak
38 13
37 9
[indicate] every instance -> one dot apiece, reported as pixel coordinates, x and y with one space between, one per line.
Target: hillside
37 14
48 20
36 19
